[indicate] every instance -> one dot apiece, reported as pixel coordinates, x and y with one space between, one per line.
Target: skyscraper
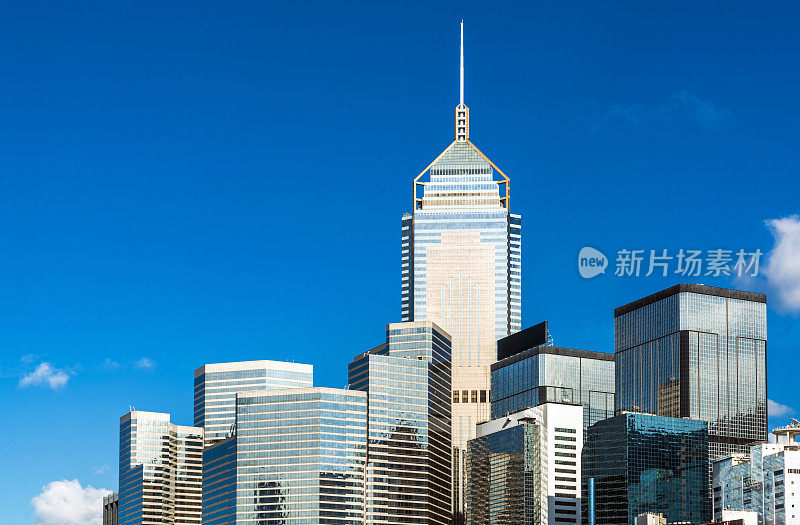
461 264
642 463
297 458
700 352
216 385
529 376
407 381
525 468
160 471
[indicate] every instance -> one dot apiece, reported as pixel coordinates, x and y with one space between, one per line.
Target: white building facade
766 482
526 467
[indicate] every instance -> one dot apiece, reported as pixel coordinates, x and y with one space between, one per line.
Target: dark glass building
111 509
409 466
219 483
646 463
524 468
700 352
532 375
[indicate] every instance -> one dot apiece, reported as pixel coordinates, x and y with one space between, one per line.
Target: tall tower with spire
461 268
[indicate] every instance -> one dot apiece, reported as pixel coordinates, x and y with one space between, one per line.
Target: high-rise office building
111 509
700 352
407 381
461 267
160 471
531 374
767 481
643 463
216 385
297 458
219 482
526 468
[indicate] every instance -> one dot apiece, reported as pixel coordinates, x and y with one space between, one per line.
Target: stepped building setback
160 471
216 386
407 381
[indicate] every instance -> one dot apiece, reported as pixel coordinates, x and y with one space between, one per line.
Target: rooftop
691 288
552 350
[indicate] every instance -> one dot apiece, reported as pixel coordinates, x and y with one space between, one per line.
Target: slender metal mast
462 111
462 63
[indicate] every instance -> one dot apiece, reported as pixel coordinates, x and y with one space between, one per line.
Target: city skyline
91 354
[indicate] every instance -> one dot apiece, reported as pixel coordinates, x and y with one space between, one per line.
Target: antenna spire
461 100
462 111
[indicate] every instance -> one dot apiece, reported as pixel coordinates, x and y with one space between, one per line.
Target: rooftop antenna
461 99
462 111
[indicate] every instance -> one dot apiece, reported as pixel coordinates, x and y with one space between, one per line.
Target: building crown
461 162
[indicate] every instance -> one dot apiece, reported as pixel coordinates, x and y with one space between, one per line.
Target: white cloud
109 364
783 262
68 503
681 106
703 112
775 409
145 363
102 470
45 375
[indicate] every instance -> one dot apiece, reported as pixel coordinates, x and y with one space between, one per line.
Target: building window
474 396
483 396
465 396
455 396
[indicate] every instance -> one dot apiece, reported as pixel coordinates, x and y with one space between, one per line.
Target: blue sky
197 182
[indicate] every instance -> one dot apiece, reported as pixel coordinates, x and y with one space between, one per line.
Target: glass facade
645 463
111 509
300 457
767 481
160 471
216 385
407 381
499 466
524 468
551 374
219 483
461 268
700 352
